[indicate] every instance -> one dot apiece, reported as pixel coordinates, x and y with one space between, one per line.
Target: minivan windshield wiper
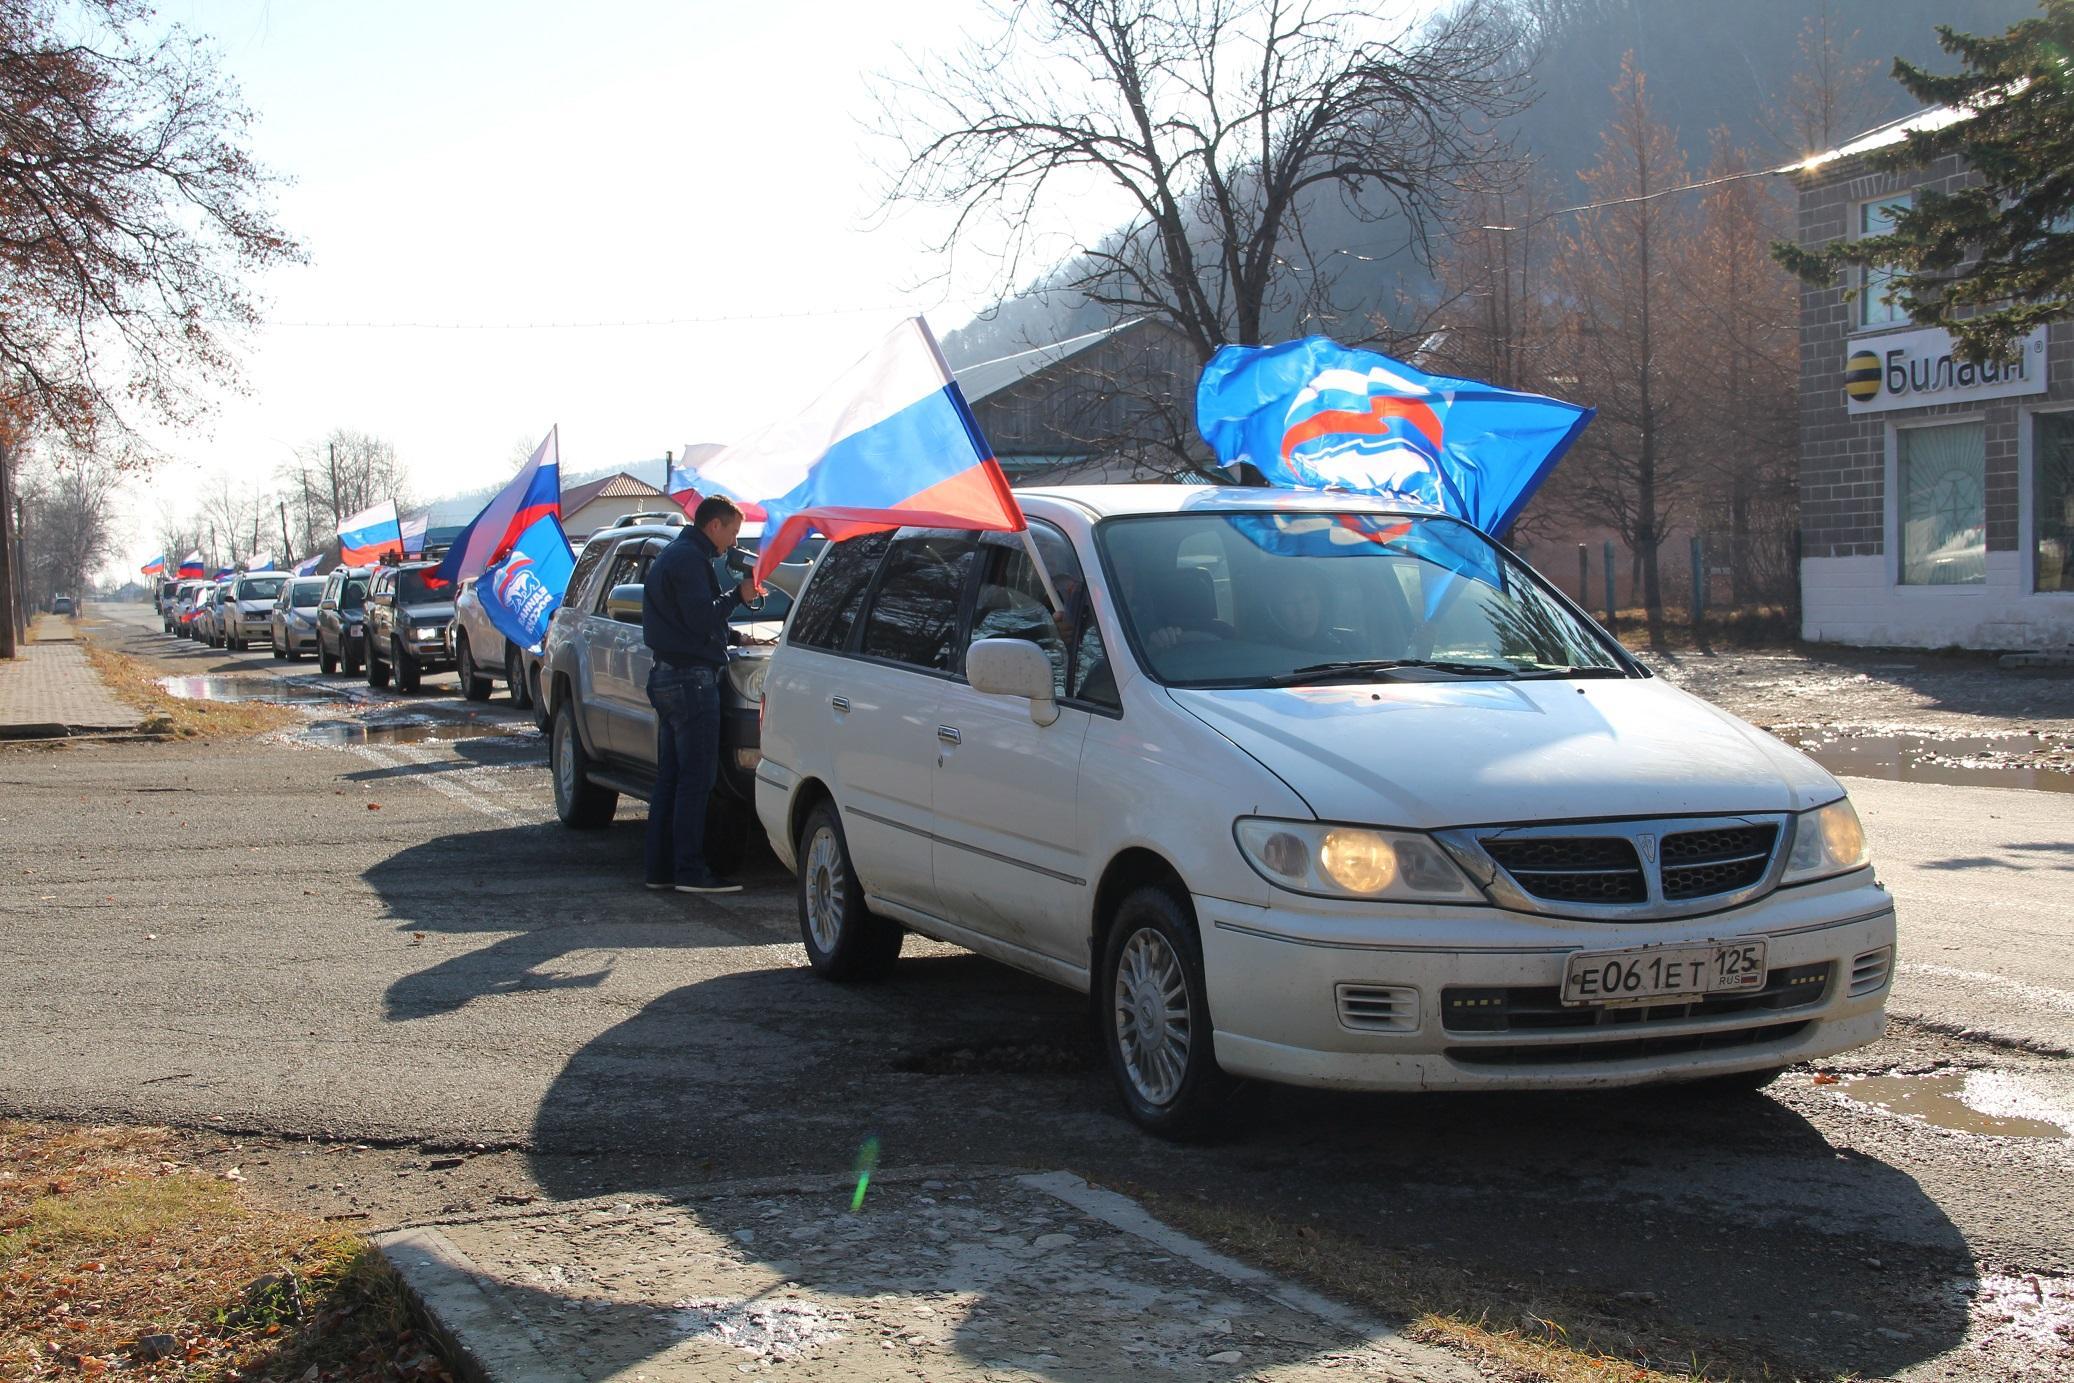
1545 673
1352 669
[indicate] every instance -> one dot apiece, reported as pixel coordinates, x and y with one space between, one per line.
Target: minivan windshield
260 587
307 594
1266 598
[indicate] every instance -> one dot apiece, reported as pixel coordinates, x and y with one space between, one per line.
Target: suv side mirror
1013 667
623 603
327 604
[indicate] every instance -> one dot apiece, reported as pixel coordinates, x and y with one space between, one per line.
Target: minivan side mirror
624 603
327 604
1013 667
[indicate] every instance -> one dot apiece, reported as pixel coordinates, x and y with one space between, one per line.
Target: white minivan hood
1428 755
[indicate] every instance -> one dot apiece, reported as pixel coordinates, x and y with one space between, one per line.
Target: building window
2052 496
1943 493
1877 218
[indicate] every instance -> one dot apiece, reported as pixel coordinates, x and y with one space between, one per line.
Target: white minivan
1309 788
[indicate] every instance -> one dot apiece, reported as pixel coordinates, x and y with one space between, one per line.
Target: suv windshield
307 595
260 588
1267 599
421 587
355 594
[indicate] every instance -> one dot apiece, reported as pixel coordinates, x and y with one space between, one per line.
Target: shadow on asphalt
1682 1216
491 883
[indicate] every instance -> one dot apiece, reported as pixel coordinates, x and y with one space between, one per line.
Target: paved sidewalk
957 1276
49 689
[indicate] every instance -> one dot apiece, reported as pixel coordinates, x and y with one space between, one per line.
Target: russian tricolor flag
890 444
535 491
368 536
155 567
688 484
192 567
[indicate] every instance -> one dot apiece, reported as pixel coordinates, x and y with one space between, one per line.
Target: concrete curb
490 1341
485 1339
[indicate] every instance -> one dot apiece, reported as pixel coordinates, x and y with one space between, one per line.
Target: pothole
1994 761
1986 1103
999 1058
247 688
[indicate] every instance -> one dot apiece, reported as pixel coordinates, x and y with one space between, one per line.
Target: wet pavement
1993 761
251 687
1989 1103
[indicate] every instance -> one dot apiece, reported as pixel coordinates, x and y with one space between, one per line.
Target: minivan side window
1012 604
836 592
914 612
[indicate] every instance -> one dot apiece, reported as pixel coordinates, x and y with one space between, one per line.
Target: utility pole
287 548
337 515
7 640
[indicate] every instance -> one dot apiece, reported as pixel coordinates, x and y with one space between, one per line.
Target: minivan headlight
1826 841
1351 861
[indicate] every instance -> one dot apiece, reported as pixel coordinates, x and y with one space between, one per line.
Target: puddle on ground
335 732
275 689
1987 761
1981 1102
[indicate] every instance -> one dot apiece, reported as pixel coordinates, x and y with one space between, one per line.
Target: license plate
1645 974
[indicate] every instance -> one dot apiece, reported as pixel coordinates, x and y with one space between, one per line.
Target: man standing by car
684 614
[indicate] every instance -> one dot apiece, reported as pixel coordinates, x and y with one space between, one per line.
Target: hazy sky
508 163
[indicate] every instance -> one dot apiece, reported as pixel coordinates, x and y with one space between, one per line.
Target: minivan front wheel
843 938
1155 1017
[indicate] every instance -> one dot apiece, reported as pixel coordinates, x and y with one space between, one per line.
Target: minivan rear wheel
474 686
844 939
1155 1018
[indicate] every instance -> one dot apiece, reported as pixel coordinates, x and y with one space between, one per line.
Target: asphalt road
391 943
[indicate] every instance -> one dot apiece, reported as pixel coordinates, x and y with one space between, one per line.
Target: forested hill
1711 64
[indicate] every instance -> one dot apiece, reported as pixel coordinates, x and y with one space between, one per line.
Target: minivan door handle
841 703
948 734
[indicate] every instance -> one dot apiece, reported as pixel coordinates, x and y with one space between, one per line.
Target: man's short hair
714 507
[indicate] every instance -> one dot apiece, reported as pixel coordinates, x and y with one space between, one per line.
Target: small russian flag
155 567
370 535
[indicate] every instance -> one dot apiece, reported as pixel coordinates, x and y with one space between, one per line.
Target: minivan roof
1106 501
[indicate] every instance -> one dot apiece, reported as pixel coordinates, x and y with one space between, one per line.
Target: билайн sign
1911 369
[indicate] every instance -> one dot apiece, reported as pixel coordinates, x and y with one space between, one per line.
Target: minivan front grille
1572 869
1698 864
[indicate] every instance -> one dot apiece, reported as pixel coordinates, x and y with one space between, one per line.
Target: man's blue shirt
684 609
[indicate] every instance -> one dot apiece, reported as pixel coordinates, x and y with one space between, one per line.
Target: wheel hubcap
565 760
1153 1031
824 876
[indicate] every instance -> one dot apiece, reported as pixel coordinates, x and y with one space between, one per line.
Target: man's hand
749 590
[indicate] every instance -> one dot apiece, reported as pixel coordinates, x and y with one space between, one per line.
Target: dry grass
1526 1333
136 682
115 1258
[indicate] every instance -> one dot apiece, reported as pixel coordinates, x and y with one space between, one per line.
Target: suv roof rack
631 520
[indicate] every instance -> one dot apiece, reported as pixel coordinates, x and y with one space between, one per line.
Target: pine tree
1988 262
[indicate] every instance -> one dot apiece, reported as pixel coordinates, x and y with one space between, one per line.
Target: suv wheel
844 939
474 685
515 677
1154 1015
327 663
409 671
581 804
377 675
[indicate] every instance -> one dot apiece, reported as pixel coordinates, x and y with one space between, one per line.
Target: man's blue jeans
687 732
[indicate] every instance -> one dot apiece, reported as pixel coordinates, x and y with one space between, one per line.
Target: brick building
1936 498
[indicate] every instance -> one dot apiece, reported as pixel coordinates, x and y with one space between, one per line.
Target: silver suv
481 654
593 684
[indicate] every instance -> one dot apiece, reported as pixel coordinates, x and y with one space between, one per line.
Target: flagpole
1058 606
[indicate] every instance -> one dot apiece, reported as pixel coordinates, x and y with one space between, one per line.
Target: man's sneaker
709 882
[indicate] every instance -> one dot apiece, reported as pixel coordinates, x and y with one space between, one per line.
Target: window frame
847 646
630 549
2027 514
1867 301
1893 503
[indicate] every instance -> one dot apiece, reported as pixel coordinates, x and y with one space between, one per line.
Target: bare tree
1223 122
69 531
132 220
1620 271
1830 96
